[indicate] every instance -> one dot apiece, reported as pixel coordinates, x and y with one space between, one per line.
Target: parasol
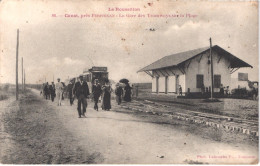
124 80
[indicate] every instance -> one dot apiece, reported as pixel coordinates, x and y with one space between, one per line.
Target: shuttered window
200 80
217 81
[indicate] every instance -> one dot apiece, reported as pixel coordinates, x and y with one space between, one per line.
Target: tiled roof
176 59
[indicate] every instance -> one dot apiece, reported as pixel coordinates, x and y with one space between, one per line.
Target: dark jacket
81 89
119 91
70 88
96 90
46 89
51 89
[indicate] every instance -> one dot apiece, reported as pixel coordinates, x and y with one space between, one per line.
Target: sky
61 47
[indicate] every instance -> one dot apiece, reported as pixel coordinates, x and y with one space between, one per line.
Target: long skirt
127 96
106 102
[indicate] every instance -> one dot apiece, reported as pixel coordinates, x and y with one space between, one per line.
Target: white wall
182 82
189 79
154 84
161 84
171 84
235 84
243 84
171 80
203 68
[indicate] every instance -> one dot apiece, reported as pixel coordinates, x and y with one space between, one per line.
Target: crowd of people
224 91
48 91
80 90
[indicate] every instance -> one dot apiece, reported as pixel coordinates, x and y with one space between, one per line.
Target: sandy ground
38 131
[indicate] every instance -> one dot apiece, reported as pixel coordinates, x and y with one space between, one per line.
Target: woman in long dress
128 93
106 96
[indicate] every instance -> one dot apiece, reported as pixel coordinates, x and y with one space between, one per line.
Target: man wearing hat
96 91
82 92
59 89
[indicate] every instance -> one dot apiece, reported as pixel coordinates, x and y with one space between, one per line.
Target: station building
191 70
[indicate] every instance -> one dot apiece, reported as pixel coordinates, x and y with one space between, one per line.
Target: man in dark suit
81 91
69 90
96 91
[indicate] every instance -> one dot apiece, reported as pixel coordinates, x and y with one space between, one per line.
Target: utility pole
22 75
211 66
17 47
24 79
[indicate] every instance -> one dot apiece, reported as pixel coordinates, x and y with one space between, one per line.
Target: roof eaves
192 57
236 58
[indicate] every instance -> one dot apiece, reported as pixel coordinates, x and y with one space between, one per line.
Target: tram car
100 73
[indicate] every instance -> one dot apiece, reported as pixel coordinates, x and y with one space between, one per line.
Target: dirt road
59 136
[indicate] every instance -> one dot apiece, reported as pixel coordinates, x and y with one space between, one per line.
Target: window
200 81
217 81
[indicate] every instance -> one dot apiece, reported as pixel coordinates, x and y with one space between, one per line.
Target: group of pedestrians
123 93
80 90
51 91
224 91
48 91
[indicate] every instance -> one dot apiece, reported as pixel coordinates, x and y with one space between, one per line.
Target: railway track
228 123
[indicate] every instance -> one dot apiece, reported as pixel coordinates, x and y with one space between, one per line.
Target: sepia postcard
129 82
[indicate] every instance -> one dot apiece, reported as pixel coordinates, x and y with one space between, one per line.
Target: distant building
191 70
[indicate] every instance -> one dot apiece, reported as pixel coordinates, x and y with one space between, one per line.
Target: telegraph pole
22 75
17 47
211 66
24 79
